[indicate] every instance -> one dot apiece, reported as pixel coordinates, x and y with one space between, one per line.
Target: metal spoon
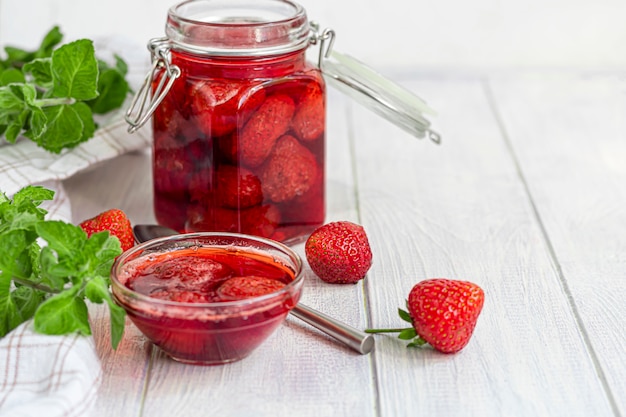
353 338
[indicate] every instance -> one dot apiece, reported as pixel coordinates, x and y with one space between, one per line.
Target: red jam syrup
201 320
239 146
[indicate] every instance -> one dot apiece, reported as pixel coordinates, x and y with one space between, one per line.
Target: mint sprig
49 268
51 94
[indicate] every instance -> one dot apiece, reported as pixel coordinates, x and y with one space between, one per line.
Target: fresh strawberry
339 252
443 313
309 120
264 127
116 222
290 171
239 288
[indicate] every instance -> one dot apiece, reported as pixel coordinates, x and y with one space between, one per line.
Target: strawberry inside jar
239 139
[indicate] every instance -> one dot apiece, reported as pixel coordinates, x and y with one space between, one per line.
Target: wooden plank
460 211
124 183
569 134
124 369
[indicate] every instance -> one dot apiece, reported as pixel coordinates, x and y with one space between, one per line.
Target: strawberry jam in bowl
208 298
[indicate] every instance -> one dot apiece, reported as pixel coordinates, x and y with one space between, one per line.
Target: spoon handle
351 337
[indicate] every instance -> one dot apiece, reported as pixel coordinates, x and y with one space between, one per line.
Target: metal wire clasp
163 74
375 91
326 40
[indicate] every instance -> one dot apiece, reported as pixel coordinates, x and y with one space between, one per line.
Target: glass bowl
179 292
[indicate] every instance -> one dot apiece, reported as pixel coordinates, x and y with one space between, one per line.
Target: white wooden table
526 197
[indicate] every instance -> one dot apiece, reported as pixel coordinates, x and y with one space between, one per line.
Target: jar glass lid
238 27
376 92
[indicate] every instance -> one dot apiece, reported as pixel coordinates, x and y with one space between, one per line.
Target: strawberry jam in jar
239 132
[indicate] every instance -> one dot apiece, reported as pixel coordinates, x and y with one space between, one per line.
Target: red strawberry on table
339 252
114 221
443 313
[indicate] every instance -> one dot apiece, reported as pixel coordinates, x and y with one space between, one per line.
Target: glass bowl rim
295 284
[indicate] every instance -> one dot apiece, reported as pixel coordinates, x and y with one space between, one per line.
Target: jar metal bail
378 93
144 104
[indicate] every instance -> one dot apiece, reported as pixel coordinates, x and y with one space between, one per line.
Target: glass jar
239 138
239 119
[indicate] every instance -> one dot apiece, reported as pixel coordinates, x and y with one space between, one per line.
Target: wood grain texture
524 197
572 156
461 211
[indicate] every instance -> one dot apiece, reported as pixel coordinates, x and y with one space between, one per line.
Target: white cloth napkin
47 375
44 375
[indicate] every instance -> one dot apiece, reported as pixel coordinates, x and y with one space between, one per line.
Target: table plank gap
572 154
550 247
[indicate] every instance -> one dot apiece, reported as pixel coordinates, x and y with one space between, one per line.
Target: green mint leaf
37 123
15 127
23 212
75 71
30 198
26 92
64 128
41 92
407 334
97 290
9 314
113 90
65 239
17 56
86 116
13 246
121 65
101 250
49 274
26 301
11 75
49 42
63 313
41 71
11 104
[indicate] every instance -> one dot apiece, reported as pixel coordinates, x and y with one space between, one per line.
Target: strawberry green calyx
404 333
442 312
